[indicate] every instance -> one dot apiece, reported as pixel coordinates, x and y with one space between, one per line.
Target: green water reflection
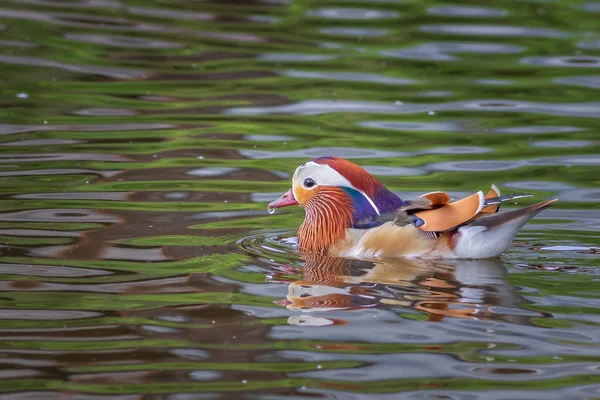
140 142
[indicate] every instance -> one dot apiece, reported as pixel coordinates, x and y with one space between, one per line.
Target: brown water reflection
476 289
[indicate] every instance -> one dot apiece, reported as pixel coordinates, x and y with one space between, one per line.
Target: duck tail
491 234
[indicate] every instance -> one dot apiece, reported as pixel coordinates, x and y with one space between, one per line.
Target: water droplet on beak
271 210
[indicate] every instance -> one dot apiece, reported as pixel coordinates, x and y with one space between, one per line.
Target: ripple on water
470 166
104 112
592 82
591 160
46 315
74 20
494 30
466 11
591 45
360 153
352 14
315 152
505 165
537 129
563 143
113 196
58 215
186 15
591 6
43 142
35 157
394 171
539 185
317 107
437 51
111 72
75 3
123 41
16 43
456 150
448 126
566 61
345 76
581 196
209 172
269 138
295 57
354 32
494 82
8 129
54 271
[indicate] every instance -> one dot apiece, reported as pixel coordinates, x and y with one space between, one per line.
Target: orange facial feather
328 214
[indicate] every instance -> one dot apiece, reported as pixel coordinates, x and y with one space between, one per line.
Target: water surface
142 140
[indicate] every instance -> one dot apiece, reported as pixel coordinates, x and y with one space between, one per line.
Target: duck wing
435 212
441 215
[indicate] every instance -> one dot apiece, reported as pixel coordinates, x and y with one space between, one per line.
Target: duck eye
309 182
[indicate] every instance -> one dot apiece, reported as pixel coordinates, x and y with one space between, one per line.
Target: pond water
142 140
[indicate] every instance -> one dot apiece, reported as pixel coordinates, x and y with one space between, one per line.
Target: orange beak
286 199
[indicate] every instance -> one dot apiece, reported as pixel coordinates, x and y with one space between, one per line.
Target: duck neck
328 215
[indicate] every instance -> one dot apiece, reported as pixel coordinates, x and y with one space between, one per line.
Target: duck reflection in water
476 289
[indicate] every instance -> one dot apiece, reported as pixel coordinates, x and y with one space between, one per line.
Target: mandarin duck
349 213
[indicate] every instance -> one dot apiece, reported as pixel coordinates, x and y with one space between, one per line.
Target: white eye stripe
370 202
324 175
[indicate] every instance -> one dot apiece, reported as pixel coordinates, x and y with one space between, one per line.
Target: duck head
336 194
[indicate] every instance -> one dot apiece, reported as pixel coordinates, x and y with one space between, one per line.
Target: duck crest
381 200
328 215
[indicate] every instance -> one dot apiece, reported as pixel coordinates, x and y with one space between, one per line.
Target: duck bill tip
285 200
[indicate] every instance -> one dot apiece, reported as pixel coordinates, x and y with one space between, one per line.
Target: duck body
349 213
